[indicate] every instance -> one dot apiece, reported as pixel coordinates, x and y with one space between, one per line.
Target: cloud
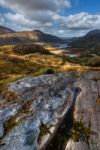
32 5
31 14
46 15
80 21
36 9
2 20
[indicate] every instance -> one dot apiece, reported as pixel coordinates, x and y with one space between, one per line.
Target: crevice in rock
63 134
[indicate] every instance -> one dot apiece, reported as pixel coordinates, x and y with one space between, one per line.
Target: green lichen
80 131
98 101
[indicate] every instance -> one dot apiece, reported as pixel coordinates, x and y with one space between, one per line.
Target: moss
80 131
9 95
98 101
26 107
43 131
9 125
30 48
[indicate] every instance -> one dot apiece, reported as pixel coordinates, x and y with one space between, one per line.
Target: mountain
90 40
27 37
5 30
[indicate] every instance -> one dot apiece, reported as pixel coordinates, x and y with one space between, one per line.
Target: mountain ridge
5 30
90 40
14 38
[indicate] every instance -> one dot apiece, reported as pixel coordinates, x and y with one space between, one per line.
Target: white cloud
80 21
45 15
32 14
39 10
2 20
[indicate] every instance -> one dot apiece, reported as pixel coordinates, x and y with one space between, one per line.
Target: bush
85 60
50 71
94 62
30 48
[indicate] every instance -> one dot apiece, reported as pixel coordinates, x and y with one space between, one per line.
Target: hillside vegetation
24 60
27 37
5 30
90 42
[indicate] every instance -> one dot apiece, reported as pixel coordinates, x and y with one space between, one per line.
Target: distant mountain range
10 37
91 40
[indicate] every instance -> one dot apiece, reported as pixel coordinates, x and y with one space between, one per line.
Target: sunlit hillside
25 60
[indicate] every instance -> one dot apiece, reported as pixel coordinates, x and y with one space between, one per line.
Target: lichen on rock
32 120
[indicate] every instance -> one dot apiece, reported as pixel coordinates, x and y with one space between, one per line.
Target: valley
49 92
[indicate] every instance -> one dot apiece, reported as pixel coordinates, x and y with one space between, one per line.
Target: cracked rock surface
31 119
87 110
41 102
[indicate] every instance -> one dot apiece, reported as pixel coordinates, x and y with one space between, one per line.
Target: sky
65 18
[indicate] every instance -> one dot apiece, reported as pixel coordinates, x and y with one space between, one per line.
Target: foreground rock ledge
30 119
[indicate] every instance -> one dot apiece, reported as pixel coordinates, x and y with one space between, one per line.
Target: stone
1 129
42 100
42 104
76 145
87 110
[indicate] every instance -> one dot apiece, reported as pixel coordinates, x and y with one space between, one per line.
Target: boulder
31 120
87 113
41 103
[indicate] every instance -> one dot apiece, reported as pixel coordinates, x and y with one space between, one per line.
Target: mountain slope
27 37
90 40
5 30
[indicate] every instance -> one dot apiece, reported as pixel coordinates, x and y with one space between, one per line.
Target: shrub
3 76
50 71
30 48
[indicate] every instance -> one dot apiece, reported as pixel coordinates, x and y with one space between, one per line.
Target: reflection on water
72 55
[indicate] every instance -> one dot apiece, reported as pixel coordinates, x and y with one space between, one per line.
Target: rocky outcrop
87 113
33 108
31 119
71 145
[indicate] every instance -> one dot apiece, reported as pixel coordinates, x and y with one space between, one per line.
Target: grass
84 60
19 61
23 49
